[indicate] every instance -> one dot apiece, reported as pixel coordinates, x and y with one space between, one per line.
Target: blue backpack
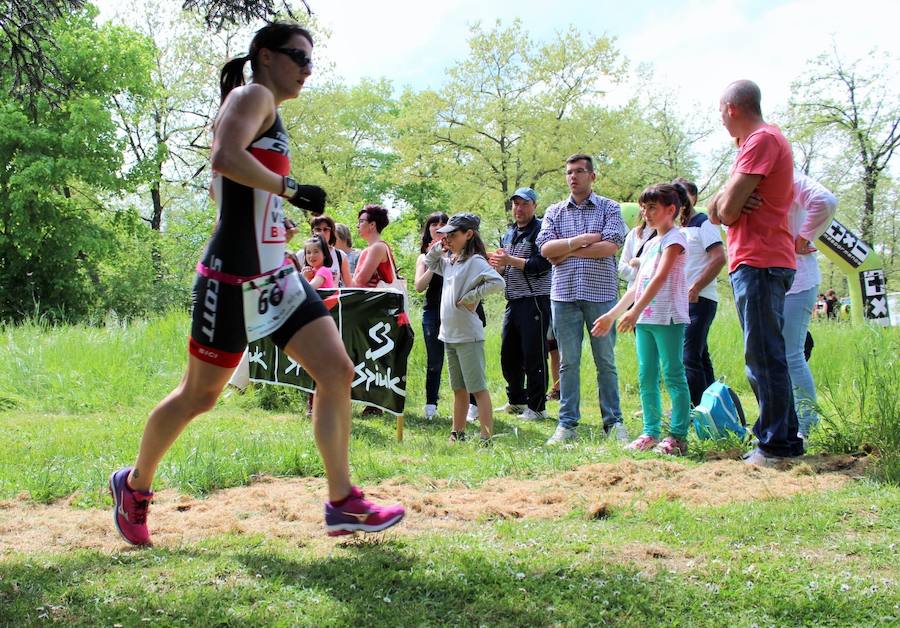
719 412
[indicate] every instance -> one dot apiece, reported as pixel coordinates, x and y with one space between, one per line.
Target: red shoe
356 514
129 508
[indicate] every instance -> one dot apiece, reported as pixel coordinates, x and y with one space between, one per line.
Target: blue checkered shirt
580 278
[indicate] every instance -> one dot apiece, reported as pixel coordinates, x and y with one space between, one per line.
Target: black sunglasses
297 55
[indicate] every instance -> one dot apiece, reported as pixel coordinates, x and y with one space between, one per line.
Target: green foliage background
103 199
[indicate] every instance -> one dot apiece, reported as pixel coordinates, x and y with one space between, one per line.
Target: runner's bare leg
197 393
319 349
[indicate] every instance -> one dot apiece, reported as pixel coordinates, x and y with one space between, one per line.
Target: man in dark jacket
523 352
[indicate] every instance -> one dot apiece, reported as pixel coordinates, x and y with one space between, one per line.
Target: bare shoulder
249 102
381 248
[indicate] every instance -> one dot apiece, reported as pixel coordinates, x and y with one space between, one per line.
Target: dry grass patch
291 508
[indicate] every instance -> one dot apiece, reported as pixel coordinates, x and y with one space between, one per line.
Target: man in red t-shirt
754 205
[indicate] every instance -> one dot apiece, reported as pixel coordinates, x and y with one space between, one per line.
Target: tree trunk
156 218
867 223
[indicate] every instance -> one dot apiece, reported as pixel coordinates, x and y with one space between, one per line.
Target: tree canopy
104 204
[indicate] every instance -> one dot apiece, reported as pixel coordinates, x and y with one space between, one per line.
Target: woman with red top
245 289
376 262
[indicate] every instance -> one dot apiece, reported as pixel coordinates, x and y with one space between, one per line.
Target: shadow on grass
373 582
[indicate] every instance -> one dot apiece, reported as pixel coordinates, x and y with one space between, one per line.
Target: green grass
73 401
802 561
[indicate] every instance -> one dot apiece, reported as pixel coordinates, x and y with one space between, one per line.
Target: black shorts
218 334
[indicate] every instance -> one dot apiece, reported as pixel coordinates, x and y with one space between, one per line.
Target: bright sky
696 47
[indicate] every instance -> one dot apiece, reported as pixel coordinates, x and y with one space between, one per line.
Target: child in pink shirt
659 316
318 260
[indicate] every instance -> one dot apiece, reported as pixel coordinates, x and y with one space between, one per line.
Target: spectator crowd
560 273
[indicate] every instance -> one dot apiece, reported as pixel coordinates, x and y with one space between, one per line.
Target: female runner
245 289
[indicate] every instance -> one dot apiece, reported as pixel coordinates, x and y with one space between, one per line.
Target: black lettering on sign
874 292
845 243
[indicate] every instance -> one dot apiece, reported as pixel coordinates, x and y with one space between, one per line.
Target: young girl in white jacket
468 278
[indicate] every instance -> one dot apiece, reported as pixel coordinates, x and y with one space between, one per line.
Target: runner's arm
247 112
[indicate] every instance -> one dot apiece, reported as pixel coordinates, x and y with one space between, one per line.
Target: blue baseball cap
526 194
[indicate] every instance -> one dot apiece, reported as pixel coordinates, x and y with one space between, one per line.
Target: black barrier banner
378 338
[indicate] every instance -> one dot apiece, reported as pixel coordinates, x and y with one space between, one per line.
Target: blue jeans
569 322
697 363
434 350
797 311
759 298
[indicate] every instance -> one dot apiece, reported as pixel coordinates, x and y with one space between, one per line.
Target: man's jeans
797 311
569 322
759 298
697 363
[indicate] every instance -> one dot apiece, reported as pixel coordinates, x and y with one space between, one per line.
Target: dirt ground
291 508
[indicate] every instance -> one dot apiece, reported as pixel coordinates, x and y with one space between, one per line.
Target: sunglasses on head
296 55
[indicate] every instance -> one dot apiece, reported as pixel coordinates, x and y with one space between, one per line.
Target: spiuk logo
365 375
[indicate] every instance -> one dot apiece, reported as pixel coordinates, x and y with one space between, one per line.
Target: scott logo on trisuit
211 300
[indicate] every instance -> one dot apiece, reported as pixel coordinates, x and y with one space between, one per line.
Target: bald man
754 206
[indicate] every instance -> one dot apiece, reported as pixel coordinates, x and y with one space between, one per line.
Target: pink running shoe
358 514
644 442
129 509
671 446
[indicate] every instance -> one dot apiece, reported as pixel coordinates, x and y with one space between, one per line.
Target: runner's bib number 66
270 300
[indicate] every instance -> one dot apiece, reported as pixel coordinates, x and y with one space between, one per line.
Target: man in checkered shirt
580 236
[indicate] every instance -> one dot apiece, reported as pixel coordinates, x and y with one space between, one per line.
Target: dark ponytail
232 76
686 206
271 36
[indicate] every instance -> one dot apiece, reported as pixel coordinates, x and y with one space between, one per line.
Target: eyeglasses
318 229
296 55
361 221
569 173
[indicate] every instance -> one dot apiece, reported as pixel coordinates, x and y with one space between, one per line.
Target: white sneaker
759 458
561 435
472 415
619 432
534 415
430 411
512 408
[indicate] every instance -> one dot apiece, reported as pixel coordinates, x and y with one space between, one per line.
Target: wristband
288 187
569 243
